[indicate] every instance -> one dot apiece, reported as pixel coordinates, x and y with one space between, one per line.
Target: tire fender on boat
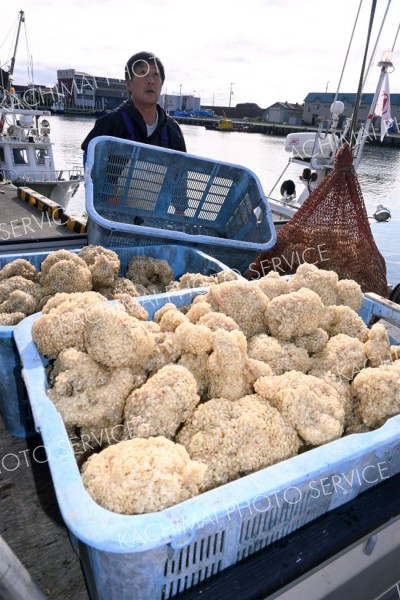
288 188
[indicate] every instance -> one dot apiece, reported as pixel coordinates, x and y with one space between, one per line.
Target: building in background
81 93
171 102
245 110
40 97
317 105
90 94
284 113
177 103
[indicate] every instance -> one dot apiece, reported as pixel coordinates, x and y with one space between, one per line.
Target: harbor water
378 174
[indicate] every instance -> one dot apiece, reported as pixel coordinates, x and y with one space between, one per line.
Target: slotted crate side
154 184
223 531
202 203
181 258
15 408
158 574
192 564
235 258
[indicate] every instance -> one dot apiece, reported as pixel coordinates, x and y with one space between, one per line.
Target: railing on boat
76 173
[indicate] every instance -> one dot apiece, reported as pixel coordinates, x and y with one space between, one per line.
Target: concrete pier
31 523
27 226
279 129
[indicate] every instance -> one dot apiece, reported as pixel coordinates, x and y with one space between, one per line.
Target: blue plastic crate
14 405
137 194
158 555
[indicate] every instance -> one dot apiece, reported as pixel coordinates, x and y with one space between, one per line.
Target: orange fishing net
330 230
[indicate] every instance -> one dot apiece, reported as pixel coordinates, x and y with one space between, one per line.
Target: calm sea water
379 171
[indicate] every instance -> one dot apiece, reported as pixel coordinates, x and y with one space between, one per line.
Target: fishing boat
314 153
223 124
26 150
58 105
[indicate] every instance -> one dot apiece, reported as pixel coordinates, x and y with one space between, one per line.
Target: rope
29 64
278 180
376 44
357 102
395 38
10 41
348 50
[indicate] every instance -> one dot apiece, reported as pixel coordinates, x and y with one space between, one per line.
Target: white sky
264 50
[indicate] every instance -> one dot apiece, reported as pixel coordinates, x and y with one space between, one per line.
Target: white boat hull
58 191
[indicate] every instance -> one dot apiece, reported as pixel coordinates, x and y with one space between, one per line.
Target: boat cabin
25 148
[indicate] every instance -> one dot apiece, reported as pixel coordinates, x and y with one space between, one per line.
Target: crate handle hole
183 540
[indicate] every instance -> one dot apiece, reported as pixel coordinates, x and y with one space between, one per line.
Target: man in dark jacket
141 118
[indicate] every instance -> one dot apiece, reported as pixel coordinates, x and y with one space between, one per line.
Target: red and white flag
383 106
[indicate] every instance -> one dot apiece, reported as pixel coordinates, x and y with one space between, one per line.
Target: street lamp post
230 94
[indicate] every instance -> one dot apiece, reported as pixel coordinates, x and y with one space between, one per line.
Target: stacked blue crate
137 194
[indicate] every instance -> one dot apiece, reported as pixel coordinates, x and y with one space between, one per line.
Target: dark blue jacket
113 124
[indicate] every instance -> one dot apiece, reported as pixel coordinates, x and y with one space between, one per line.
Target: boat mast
21 20
385 64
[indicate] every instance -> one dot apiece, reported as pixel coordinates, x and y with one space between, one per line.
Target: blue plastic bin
137 194
155 556
14 405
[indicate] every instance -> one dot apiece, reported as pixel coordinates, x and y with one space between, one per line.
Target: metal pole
230 94
15 581
21 20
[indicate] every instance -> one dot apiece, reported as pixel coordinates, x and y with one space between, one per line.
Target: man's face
145 85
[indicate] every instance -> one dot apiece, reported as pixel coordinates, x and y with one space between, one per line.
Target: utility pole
326 89
230 94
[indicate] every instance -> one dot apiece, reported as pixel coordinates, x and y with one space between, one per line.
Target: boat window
2 155
40 155
20 156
